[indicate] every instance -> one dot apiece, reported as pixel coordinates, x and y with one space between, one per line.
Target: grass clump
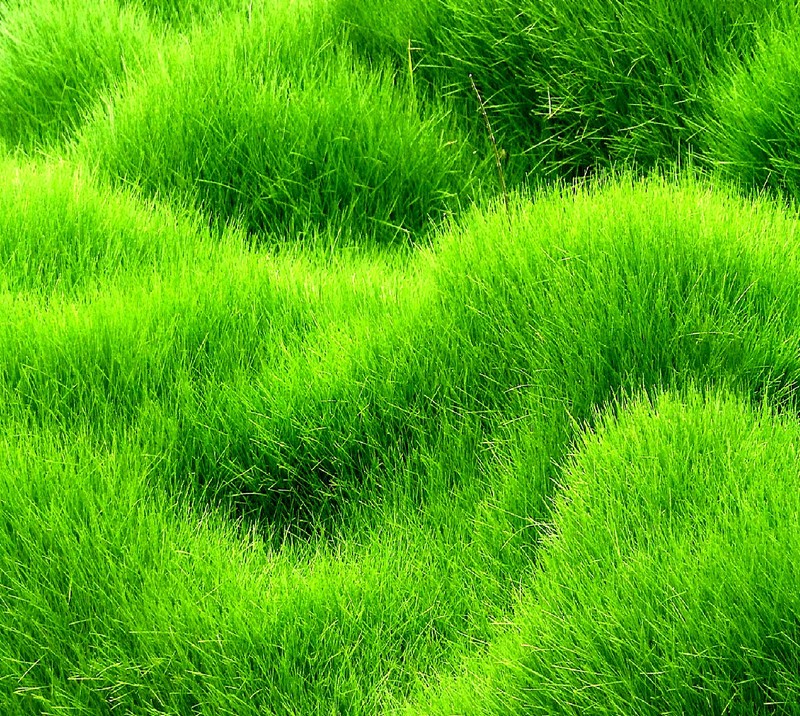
62 233
751 124
56 59
668 581
283 144
167 333
570 87
622 284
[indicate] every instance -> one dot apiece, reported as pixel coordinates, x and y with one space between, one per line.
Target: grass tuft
286 145
751 127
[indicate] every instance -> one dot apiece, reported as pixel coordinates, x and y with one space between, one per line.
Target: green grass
299 415
668 583
182 14
751 125
415 481
250 120
571 86
56 57
62 233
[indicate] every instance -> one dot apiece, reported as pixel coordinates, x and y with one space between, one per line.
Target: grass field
399 358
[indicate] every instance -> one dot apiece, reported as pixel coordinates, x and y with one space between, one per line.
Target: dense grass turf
417 479
533 307
291 117
56 56
256 460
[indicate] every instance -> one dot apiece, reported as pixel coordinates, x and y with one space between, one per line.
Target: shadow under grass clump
56 59
182 14
752 127
286 139
668 583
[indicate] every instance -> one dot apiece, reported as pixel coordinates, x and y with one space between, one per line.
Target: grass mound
752 123
56 58
240 123
669 579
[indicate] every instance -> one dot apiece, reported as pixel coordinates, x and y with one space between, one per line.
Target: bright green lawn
301 413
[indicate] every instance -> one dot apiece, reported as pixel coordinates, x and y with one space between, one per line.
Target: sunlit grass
285 137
